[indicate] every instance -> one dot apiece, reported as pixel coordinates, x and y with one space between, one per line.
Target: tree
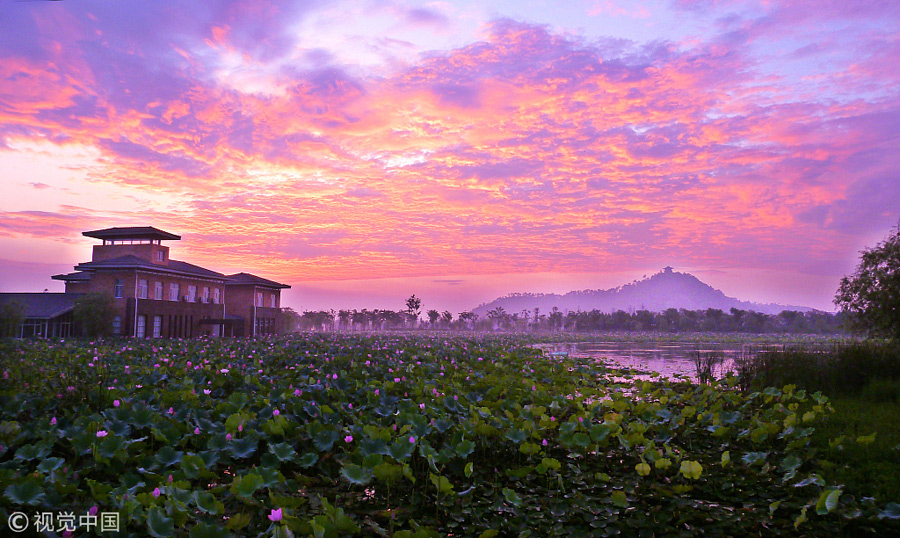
872 293
433 316
94 314
12 315
413 304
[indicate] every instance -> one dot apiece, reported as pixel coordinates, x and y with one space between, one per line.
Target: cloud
528 149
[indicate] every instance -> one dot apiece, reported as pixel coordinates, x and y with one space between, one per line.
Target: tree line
498 320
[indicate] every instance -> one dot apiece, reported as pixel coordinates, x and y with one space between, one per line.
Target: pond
668 358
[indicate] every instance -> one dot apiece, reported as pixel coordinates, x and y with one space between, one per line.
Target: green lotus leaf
373 446
512 497
891 511
159 525
168 456
50 464
243 447
691 469
207 502
828 501
28 493
389 473
246 486
283 451
400 449
308 459
357 475
203 530
325 439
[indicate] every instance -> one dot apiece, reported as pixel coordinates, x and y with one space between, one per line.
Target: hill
666 289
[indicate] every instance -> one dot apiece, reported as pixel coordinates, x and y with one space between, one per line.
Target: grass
859 443
848 453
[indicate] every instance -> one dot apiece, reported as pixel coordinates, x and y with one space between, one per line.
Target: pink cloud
528 150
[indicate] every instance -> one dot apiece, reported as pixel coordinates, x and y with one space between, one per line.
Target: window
192 294
117 325
215 295
157 291
141 326
273 301
205 297
174 290
119 290
142 289
160 255
259 298
157 326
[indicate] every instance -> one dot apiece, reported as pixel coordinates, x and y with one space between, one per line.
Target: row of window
260 302
179 326
174 292
191 297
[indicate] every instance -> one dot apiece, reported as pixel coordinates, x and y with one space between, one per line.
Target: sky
363 151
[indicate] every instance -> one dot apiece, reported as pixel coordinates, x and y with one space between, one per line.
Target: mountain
666 289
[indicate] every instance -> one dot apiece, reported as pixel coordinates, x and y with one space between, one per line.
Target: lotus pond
404 436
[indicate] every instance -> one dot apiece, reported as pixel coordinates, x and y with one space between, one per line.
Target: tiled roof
239 279
133 262
137 232
41 305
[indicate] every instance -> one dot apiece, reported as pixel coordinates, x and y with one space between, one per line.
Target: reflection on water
667 358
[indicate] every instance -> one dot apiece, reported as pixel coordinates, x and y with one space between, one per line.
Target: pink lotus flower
412 439
53 421
116 403
275 515
276 412
196 431
228 437
348 439
93 510
156 492
102 433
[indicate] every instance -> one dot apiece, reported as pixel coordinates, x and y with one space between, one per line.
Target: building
42 314
156 296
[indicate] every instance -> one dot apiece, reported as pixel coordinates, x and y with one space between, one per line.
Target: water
668 358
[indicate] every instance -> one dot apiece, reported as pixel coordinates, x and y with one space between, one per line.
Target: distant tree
344 319
413 305
556 319
94 314
468 319
12 315
872 292
433 316
290 320
446 317
315 320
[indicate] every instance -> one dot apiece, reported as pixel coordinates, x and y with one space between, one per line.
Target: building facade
155 296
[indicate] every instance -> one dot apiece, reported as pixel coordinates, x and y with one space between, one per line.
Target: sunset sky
361 151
